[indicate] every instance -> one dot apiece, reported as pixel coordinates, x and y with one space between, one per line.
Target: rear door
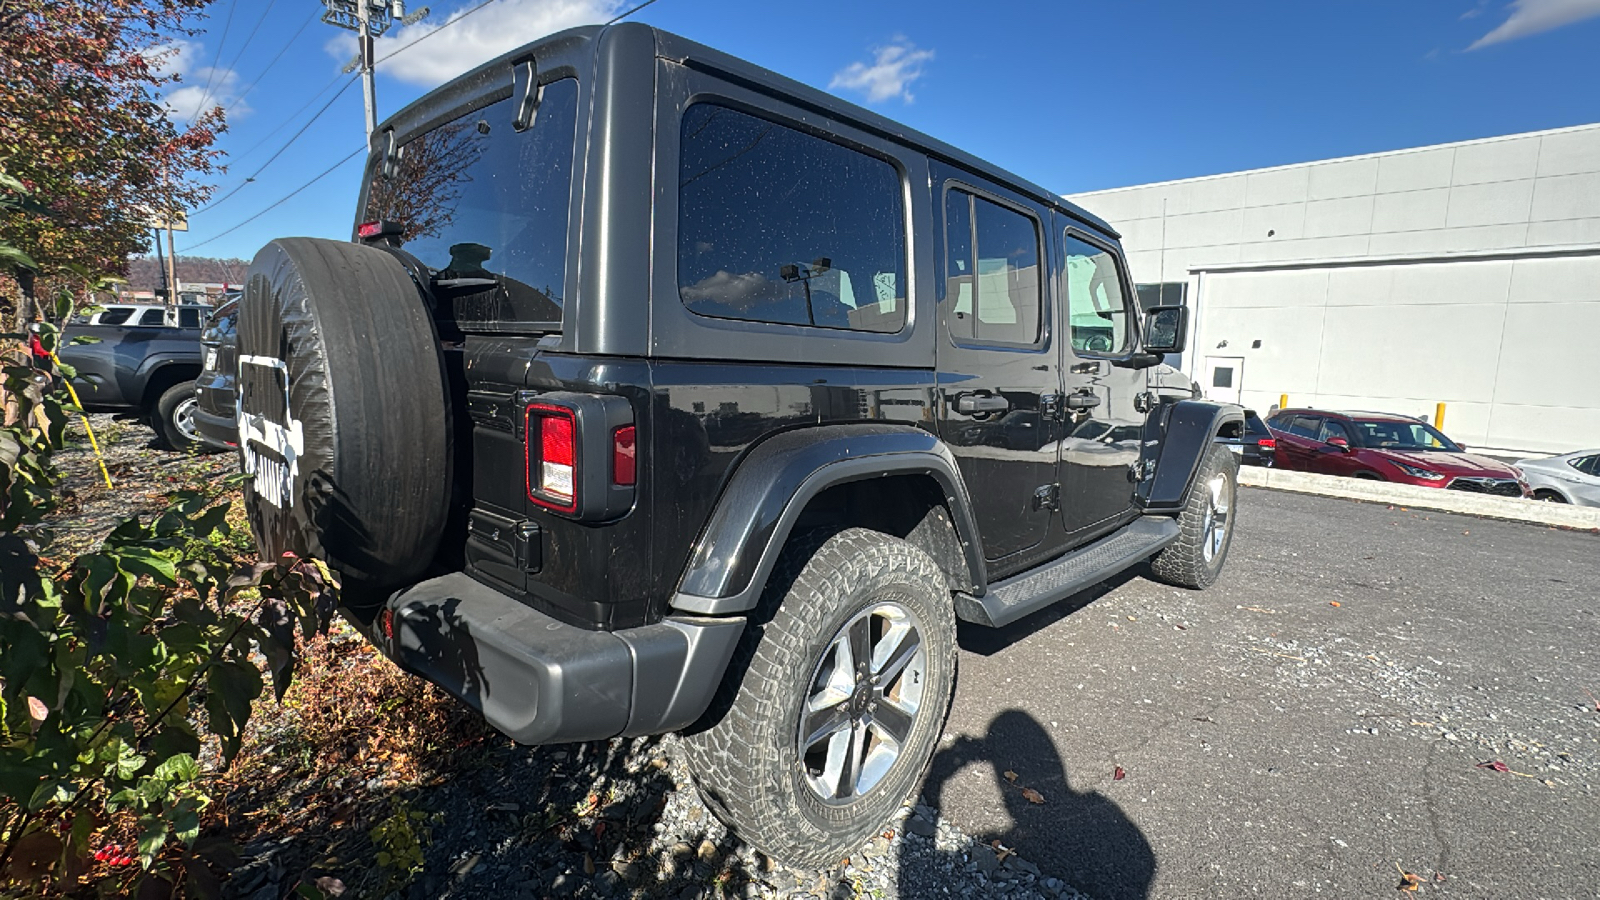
1296 440
996 366
1103 426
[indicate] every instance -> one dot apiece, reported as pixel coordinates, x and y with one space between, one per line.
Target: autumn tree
83 130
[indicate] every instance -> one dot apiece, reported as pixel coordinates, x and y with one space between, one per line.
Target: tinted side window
776 225
1332 428
1306 426
993 286
1096 308
1589 465
188 318
1254 426
115 316
152 317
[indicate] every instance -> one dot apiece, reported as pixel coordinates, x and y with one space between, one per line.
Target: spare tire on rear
343 413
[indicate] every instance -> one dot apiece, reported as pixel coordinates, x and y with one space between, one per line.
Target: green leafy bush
127 673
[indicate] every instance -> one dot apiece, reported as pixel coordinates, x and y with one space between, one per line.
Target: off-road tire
744 754
164 418
1184 563
338 351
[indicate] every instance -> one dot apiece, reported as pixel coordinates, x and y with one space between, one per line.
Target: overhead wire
262 74
230 67
279 202
211 74
286 144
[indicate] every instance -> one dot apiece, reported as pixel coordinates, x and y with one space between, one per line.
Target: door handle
1083 400
1086 368
981 403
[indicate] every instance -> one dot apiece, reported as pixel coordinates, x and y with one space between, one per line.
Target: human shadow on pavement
1080 837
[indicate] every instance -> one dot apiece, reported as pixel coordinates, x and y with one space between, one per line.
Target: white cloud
1530 17
190 96
494 30
890 74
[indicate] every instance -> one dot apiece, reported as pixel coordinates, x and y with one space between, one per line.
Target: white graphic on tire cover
271 450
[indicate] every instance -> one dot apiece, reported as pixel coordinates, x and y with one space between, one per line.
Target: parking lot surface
1329 714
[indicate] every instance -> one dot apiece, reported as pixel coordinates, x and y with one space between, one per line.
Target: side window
1589 465
1334 429
992 288
115 316
1306 426
777 225
1097 311
188 318
152 317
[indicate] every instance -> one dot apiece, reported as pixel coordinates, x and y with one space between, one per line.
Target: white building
1466 274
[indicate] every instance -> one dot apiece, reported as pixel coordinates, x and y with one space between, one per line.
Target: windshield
1390 434
484 207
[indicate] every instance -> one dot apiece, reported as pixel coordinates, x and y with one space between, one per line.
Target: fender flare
736 551
151 368
1186 438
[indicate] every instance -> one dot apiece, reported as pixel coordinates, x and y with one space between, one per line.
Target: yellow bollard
1438 416
1283 401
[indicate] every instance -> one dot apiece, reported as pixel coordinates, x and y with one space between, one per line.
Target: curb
1509 508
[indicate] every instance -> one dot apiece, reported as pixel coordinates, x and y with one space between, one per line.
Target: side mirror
1341 443
1166 329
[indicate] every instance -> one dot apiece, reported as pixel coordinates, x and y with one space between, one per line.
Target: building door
1224 378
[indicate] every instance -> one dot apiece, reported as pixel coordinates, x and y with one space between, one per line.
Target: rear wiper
465 282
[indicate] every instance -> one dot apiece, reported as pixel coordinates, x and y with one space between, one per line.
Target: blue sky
1075 96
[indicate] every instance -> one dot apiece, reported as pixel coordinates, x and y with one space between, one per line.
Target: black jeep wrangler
656 392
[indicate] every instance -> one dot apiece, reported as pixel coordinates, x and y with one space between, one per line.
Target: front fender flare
1185 440
736 552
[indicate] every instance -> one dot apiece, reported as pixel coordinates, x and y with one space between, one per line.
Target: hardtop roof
683 51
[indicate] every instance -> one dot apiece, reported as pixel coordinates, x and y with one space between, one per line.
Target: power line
408 46
284 122
630 12
211 74
281 50
279 202
251 36
286 145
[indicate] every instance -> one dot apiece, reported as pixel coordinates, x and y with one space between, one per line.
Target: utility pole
172 266
368 19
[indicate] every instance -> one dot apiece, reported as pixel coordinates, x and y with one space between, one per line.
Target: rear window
484 207
115 316
777 225
1254 426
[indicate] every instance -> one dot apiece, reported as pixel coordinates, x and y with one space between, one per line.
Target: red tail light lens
369 229
1268 443
553 481
624 465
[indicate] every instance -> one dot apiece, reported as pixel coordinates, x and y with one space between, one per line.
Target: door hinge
1144 401
1047 496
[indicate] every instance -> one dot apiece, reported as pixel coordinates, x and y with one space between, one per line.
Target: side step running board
1009 600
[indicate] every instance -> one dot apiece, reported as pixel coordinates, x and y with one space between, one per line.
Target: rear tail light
624 471
582 456
1268 443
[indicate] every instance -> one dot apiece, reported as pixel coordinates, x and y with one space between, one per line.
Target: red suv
1386 447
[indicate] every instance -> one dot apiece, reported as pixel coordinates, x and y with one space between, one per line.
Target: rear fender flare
1190 427
735 554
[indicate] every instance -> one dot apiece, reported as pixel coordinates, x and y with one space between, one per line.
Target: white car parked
1573 478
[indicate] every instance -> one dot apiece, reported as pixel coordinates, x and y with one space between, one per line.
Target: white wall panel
1566 197
1496 203
1204 229
1570 153
1286 220
1548 358
1277 186
1296 288
1564 231
1415 170
1345 178
1474 282
1211 194
1449 240
1545 430
1335 218
1411 211
1503 160
1422 351
1558 280
1290 346
1274 250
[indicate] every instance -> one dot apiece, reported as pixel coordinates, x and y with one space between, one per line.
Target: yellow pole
1438 416
86 426
1283 401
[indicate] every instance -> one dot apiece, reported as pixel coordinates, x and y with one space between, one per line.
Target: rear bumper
542 681
216 431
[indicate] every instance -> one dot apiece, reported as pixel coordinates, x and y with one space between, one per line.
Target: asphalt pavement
1336 711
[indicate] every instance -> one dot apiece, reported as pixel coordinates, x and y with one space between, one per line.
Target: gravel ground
622 819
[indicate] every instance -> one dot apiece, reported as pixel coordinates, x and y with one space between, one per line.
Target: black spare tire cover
343 413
